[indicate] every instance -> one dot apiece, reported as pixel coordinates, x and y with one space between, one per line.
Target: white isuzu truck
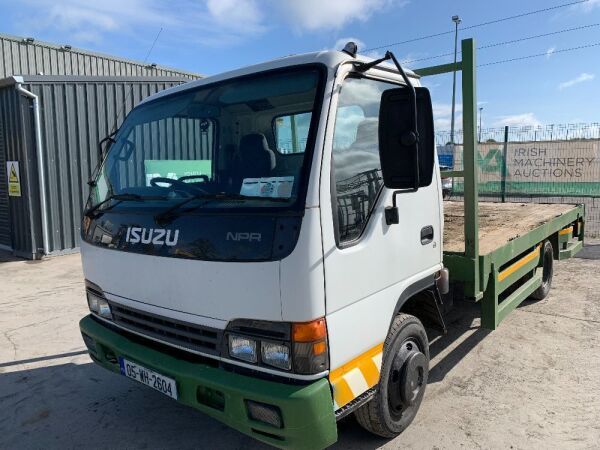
263 245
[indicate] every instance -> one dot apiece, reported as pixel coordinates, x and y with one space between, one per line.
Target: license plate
162 384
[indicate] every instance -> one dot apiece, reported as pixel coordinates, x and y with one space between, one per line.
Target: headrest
254 141
256 154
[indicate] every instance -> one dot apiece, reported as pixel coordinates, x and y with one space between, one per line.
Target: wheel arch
411 292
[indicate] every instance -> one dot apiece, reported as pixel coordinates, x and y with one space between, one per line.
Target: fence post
504 156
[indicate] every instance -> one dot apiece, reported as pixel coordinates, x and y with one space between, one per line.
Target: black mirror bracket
392 216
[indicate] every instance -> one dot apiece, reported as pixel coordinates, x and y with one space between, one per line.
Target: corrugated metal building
27 56
75 113
51 125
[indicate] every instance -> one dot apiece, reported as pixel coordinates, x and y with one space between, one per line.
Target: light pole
480 115
456 21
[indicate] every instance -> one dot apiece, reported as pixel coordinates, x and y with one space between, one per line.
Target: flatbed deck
507 266
499 223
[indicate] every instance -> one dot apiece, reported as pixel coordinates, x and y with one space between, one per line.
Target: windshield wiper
168 214
119 198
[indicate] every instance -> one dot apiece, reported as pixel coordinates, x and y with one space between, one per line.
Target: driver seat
256 158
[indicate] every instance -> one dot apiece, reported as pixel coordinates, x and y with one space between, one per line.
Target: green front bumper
307 411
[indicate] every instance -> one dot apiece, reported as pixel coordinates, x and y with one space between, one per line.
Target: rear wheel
402 382
547 271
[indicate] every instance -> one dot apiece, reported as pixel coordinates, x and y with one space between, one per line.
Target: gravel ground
533 383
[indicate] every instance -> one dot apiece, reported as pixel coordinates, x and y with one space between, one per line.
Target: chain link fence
549 164
559 132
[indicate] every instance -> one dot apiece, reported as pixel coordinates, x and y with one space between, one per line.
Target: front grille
191 336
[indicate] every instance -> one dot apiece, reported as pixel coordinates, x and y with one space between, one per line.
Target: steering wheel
177 185
193 177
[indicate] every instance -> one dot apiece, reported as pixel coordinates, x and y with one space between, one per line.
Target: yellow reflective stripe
356 376
370 371
340 371
566 231
342 393
520 263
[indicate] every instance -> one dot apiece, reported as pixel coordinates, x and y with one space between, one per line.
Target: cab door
367 263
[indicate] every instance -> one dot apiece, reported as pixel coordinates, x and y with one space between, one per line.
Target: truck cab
250 248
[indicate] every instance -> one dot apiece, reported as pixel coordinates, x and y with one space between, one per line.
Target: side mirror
407 158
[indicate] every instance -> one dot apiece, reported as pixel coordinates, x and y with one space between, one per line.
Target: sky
212 36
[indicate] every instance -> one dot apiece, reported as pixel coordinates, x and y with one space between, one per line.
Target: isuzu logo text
243 236
156 236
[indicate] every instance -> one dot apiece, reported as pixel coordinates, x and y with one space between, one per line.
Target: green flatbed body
500 274
515 262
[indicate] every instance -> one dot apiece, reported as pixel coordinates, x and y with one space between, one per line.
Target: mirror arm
413 99
392 216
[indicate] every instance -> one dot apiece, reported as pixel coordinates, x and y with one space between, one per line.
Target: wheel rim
406 380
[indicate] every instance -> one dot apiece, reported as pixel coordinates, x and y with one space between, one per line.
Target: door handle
426 235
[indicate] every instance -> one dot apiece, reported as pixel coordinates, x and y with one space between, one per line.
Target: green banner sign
552 168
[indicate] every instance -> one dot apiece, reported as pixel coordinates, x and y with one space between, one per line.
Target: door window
356 163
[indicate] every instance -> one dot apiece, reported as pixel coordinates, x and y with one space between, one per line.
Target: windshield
242 143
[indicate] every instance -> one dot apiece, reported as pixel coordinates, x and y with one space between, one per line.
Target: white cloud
206 22
233 13
587 6
518 120
311 15
209 22
445 109
442 116
412 59
550 52
580 79
430 84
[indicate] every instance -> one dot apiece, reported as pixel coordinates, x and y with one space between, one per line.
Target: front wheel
402 381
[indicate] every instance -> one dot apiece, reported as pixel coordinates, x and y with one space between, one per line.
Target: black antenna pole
114 129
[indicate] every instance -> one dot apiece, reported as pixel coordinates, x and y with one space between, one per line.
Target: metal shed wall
5 239
76 113
16 215
19 57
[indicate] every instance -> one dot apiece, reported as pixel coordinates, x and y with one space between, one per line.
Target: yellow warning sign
14 180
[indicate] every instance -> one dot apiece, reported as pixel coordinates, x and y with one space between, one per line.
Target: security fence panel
545 164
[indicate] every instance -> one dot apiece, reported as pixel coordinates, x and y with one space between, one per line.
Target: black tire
547 271
404 373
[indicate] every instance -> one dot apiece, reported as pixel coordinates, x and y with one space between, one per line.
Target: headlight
242 348
276 355
98 305
300 348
